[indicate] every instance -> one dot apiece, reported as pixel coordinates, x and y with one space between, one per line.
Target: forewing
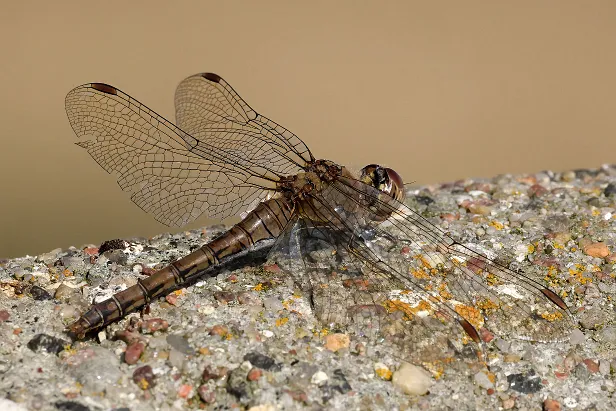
168 172
210 110
446 276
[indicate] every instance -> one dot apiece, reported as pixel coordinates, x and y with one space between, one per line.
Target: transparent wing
348 295
170 173
208 108
449 276
404 268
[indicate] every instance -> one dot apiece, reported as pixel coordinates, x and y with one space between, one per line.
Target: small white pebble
102 336
412 380
206 310
577 337
267 333
262 407
319 378
604 367
482 379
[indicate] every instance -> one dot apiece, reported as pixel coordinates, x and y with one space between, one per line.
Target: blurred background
438 90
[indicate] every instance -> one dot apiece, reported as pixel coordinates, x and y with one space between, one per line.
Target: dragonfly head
384 179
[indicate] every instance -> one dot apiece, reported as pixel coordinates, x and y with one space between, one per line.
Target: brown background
436 90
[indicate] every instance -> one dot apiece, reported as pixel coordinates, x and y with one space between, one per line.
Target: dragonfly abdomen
266 221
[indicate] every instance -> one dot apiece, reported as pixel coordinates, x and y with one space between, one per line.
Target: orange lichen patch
420 274
67 273
437 367
204 351
424 261
384 373
555 316
443 292
359 283
492 279
487 305
258 287
281 321
320 333
577 272
497 225
143 384
409 310
531 248
471 314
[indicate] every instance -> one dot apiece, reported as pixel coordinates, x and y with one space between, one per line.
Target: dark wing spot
212 77
554 298
470 330
105 88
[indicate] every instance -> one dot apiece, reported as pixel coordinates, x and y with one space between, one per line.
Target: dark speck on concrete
610 190
70 406
525 383
261 361
44 342
39 293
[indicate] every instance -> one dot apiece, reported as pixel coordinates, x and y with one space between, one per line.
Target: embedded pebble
412 379
180 343
484 379
273 304
319 378
96 369
154 324
214 374
335 342
526 383
63 292
254 374
176 358
608 334
48 343
262 361
220 330
144 377
133 352
248 298
39 293
599 250
577 337
206 394
225 297
551 405
4 315
604 367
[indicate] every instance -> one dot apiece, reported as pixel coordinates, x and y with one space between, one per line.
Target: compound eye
396 185
384 179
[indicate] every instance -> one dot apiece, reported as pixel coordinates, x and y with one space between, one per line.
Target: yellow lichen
497 225
384 373
471 314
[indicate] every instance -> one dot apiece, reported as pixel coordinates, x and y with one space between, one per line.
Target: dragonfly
348 239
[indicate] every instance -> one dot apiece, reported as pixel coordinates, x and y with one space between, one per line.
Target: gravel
246 337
